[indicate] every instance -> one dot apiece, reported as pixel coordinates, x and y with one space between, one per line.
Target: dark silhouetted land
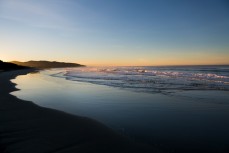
46 64
5 66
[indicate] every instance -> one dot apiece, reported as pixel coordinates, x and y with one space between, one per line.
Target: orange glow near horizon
159 60
154 58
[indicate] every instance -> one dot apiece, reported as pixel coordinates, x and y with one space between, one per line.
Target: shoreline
27 127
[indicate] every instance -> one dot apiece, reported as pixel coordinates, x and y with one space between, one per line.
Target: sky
116 32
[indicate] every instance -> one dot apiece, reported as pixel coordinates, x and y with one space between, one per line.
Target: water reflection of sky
190 120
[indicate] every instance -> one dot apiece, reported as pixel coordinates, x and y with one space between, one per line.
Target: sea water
182 109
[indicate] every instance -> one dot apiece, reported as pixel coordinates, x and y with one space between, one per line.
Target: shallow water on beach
181 118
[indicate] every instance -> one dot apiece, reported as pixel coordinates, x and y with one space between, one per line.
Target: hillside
5 66
46 64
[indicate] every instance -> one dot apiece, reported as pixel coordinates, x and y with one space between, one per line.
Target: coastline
27 127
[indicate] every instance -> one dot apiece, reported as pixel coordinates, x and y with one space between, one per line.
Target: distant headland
16 65
46 64
5 66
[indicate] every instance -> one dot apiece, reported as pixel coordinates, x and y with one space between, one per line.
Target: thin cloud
31 13
50 14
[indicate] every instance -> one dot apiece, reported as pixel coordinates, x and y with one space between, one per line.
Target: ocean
153 79
176 108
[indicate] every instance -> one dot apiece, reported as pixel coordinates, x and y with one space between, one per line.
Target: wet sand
28 128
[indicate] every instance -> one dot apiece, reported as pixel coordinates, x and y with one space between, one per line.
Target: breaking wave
152 79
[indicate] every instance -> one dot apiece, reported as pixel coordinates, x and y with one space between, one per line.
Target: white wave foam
151 79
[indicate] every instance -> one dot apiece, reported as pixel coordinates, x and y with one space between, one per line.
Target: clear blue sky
116 32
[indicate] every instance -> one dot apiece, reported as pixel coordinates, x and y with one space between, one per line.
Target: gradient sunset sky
116 32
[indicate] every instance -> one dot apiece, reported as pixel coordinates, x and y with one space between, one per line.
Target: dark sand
29 128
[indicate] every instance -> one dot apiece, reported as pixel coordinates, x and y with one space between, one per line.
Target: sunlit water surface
182 109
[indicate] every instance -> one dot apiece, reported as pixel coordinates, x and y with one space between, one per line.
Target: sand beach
28 128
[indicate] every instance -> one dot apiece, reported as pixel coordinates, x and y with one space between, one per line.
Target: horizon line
110 65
